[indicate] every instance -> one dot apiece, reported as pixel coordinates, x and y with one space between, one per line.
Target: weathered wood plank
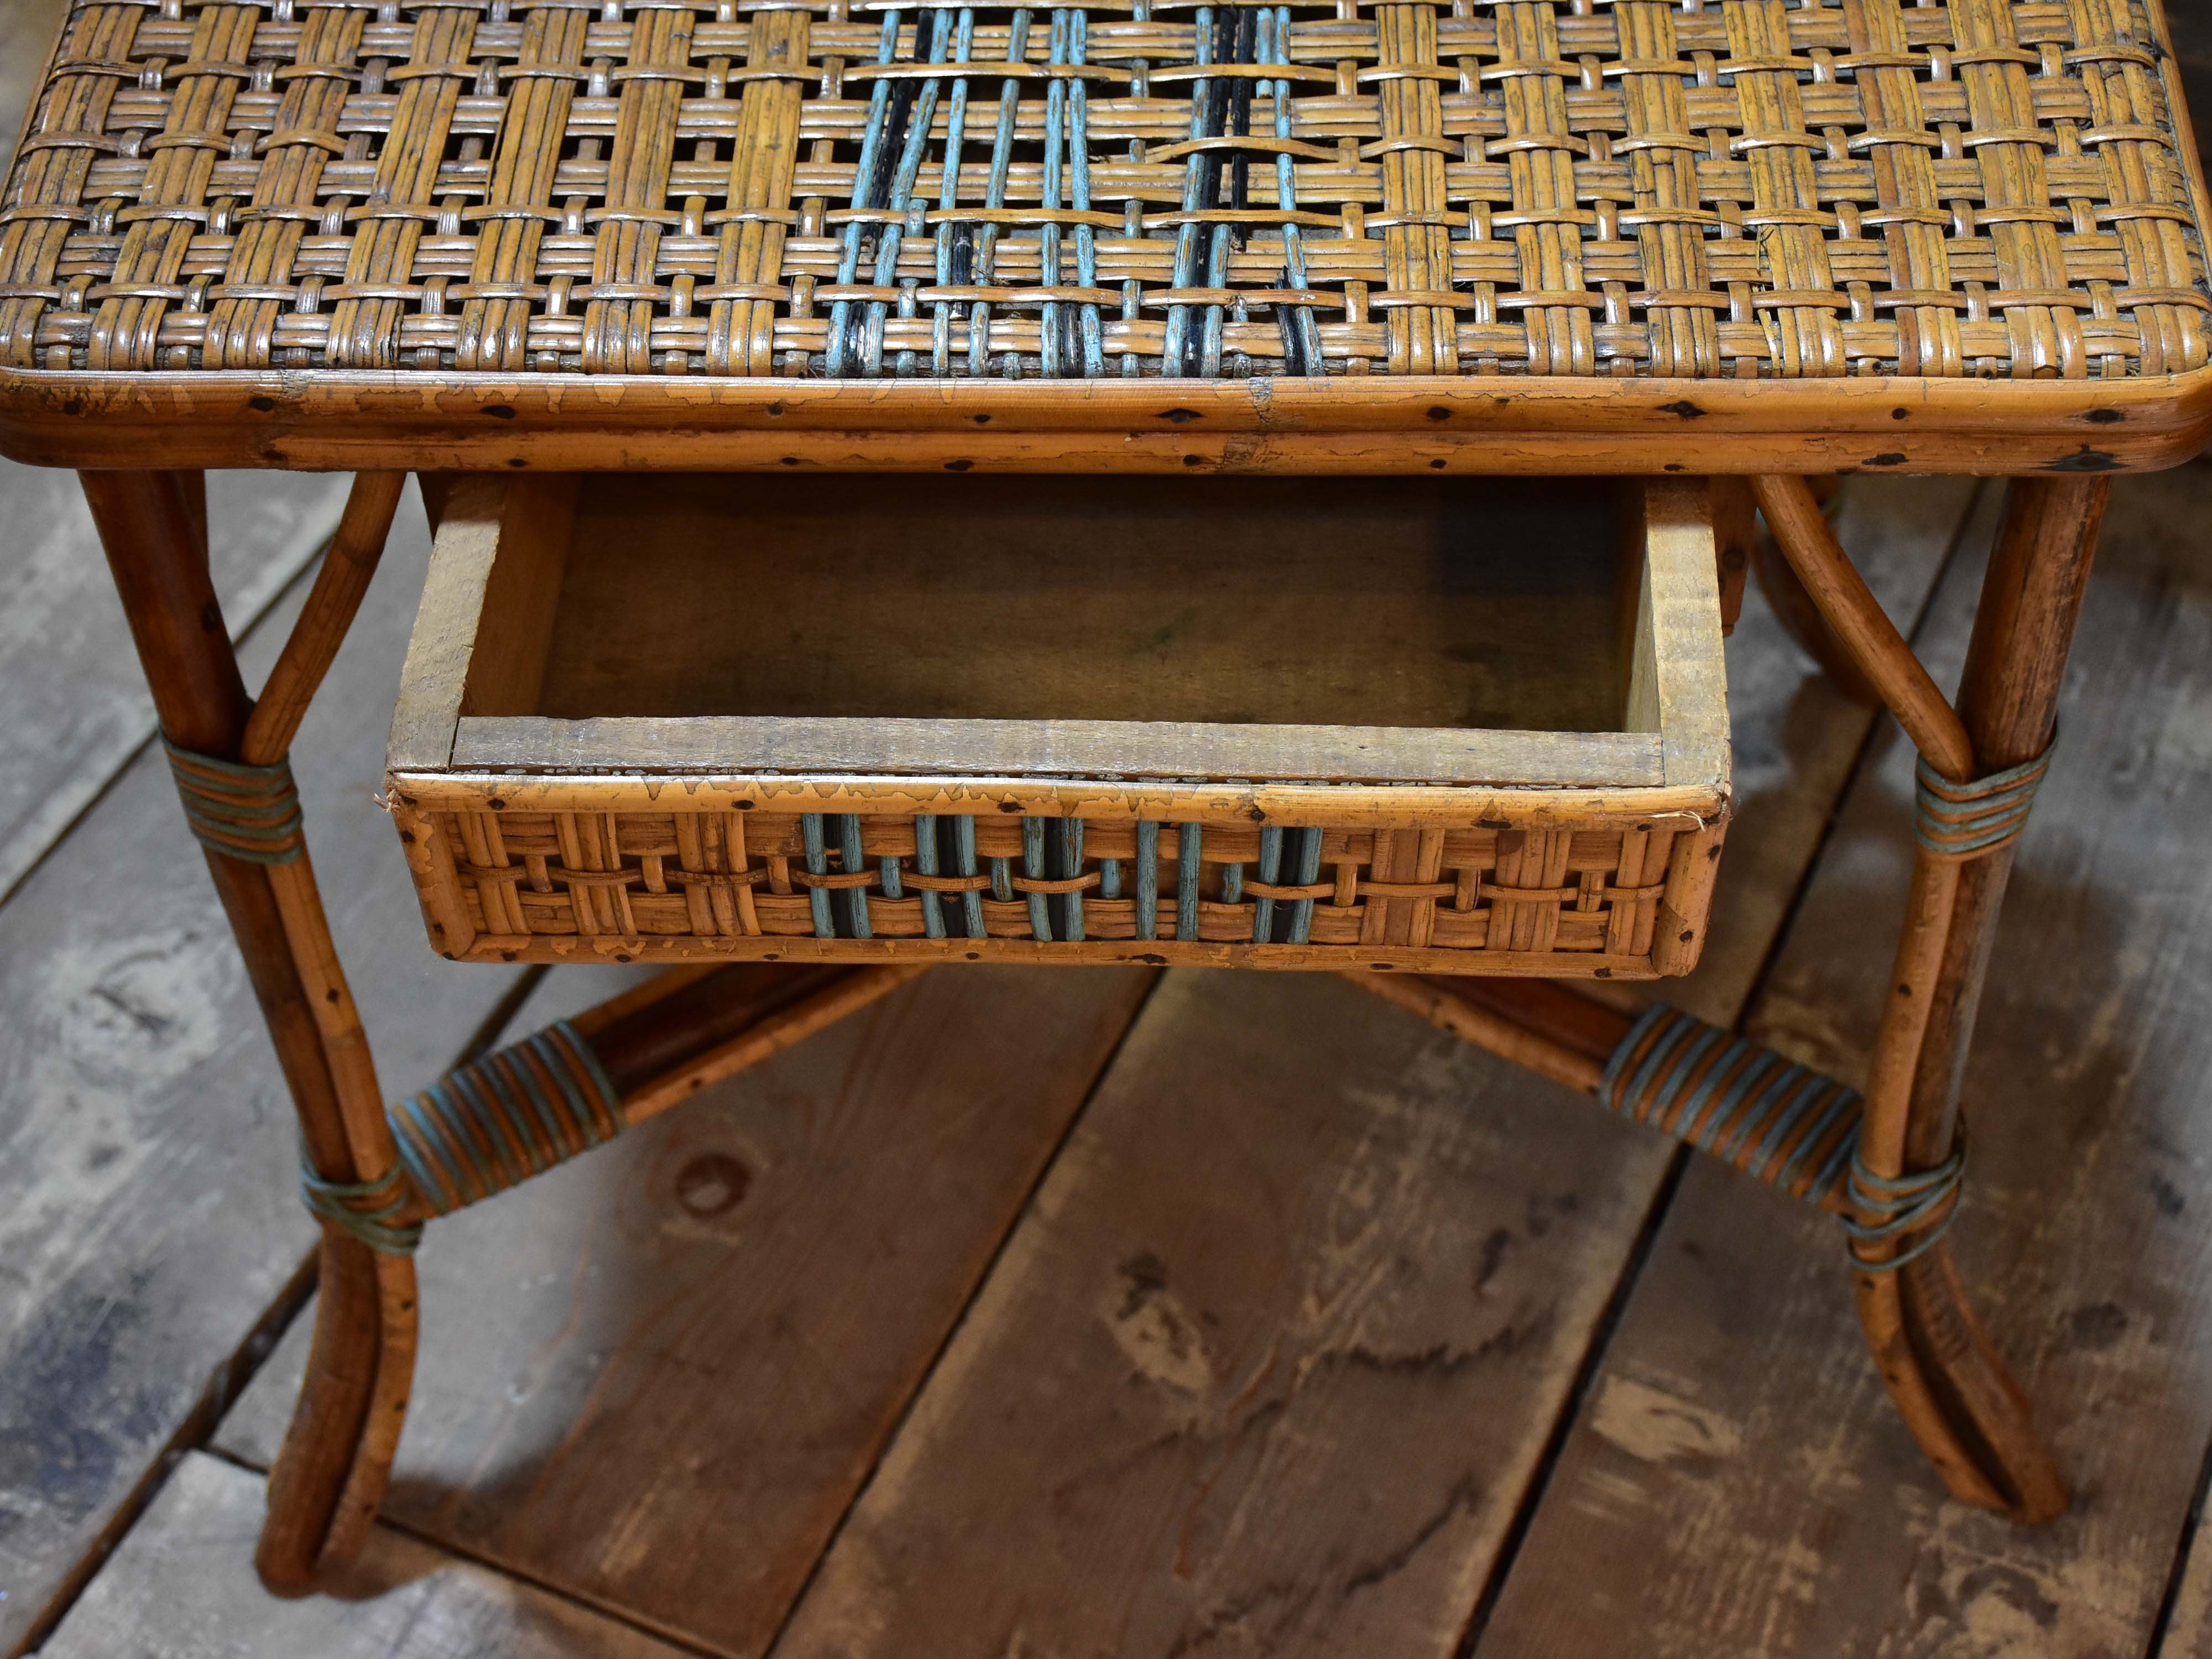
2188 1633
148 1155
1072 748
1268 1368
182 1585
655 1376
1678 653
77 709
1265 1362
1739 1475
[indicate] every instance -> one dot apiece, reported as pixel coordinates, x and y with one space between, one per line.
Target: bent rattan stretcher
1540 236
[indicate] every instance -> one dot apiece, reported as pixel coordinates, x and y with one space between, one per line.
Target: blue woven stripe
971 903
1672 1029
1703 1039
1148 878
1033 868
523 1073
1799 1102
510 1075
438 1183
853 861
450 1189
1842 1103
365 1209
1071 867
817 850
1823 1184
925 863
1689 1123
474 1124
582 1054
1309 872
1786 1073
492 1124
480 1129
1190 870
1730 1106
1608 1087
1271 869
1923 1202
251 813
873 138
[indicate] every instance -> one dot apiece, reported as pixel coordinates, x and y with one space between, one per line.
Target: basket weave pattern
1136 187
628 877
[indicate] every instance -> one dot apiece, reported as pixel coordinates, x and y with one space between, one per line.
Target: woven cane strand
852 875
1123 188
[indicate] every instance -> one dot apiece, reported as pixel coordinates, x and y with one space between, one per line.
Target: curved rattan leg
228 753
1956 1391
337 1457
1794 607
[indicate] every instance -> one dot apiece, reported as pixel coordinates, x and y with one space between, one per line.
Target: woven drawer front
1313 725
599 879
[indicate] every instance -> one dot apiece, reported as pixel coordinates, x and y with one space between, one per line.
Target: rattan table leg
153 527
1800 617
1955 1392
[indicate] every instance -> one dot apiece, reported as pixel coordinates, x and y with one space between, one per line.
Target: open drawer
1466 725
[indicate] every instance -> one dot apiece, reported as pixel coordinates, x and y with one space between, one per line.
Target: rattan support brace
495 1122
1789 1125
1783 1122
484 1127
250 813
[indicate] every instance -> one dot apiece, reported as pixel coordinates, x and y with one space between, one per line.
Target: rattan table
1726 239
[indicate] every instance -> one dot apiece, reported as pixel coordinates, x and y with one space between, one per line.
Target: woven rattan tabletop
1549 234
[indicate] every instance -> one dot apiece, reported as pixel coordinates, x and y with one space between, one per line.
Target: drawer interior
1298 601
1357 629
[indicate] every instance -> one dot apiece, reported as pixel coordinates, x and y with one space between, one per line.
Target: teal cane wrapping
496 1122
482 1128
365 1209
1783 1122
1790 1125
1919 1205
251 813
1974 820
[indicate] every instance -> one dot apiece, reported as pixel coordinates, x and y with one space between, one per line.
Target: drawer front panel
584 886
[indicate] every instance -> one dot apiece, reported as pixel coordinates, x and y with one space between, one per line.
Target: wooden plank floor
1108 1313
